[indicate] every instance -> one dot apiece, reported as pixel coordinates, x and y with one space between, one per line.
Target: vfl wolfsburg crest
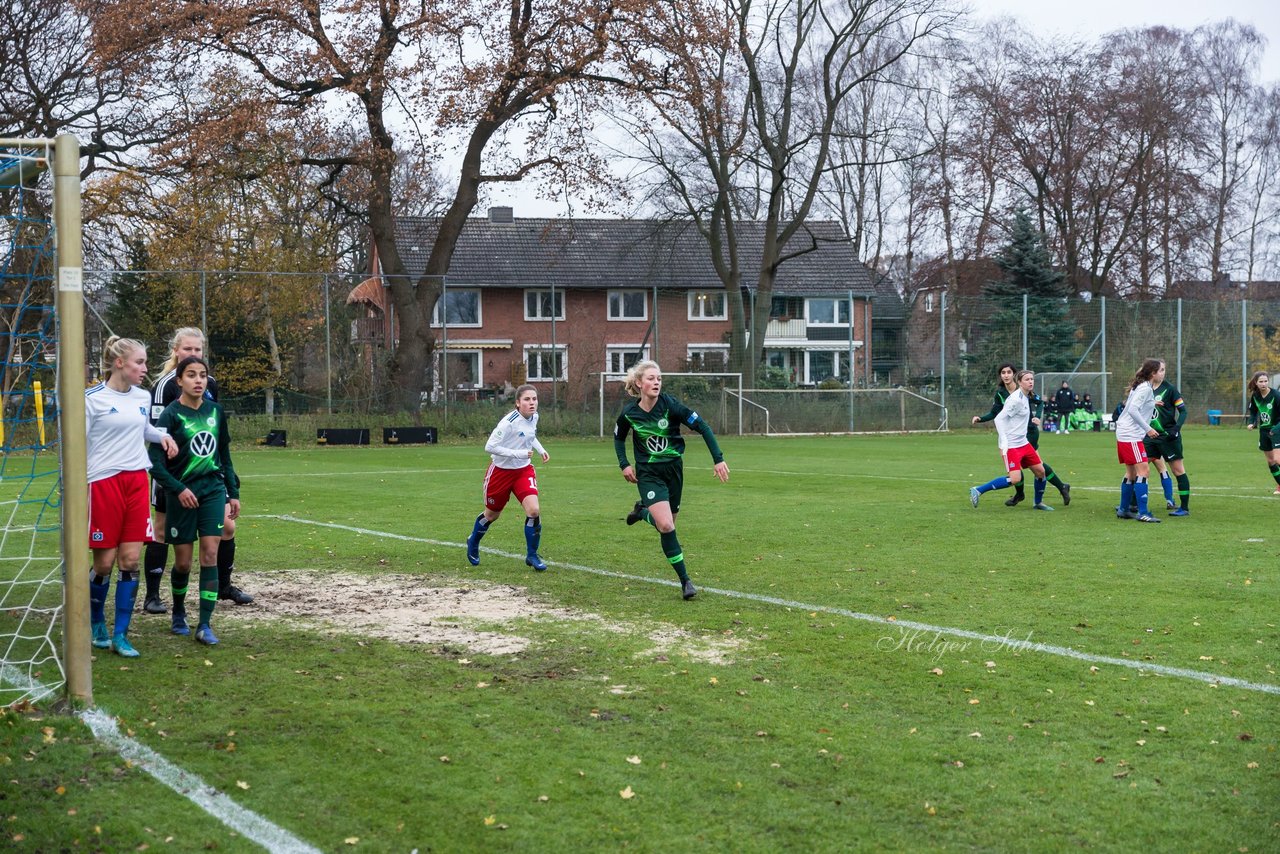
656 444
662 423
203 444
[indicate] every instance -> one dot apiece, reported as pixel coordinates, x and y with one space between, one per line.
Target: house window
464 368
628 305
707 305
786 308
544 364
928 303
462 308
825 364
544 305
827 312
708 357
620 357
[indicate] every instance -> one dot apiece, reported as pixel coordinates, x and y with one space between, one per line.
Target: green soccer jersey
204 450
1263 411
1170 412
656 434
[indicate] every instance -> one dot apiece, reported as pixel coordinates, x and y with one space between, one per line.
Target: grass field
872 664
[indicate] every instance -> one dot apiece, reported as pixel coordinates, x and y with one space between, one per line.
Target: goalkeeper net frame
44 542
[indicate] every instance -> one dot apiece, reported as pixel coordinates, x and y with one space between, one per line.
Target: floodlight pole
71 385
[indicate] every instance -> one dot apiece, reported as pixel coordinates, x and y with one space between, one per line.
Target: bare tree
762 93
409 76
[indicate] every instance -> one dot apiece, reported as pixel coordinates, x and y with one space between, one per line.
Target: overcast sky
1084 19
1087 18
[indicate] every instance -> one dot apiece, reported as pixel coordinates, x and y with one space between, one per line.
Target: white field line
247 823
989 641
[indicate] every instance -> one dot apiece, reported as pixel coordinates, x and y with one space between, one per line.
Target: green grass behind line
821 732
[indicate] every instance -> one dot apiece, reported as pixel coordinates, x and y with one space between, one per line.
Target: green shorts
182 525
661 482
1168 449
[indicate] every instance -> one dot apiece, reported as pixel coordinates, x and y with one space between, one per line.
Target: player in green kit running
1264 415
654 420
200 487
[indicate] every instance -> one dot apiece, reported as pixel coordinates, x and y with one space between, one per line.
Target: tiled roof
600 253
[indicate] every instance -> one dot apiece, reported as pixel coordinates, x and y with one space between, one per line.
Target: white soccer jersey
511 440
1011 423
1135 421
117 430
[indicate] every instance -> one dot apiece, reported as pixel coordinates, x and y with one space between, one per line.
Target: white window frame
837 301
612 350
698 302
558 297
836 357
440 303
692 350
928 303
479 357
562 349
621 294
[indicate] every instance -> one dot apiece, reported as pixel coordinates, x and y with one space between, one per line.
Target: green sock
1275 472
178 581
1052 476
1184 490
208 592
675 554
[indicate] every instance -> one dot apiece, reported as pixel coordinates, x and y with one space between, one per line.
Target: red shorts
1023 457
500 484
1132 453
119 510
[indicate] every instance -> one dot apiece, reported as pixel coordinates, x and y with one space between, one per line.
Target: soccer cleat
1126 514
1169 505
179 624
1179 512
1148 518
473 550
1017 498
536 562
153 605
687 590
1041 506
974 495
637 513
205 635
235 594
120 646
101 639
1065 489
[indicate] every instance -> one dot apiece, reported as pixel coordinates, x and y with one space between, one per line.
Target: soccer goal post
44 553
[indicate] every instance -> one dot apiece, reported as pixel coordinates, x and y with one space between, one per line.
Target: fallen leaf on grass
937 671
626 794
634 760
1245 736
1141 742
352 840
489 820
974 701
1252 765
242 784
208 663
444 759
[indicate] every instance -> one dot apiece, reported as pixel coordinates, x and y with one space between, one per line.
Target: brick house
545 300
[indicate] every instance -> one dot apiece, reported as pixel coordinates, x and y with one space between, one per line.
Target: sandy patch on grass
414 609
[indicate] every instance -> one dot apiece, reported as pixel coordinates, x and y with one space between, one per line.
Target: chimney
502 214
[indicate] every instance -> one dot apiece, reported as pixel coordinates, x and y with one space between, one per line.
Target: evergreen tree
1028 270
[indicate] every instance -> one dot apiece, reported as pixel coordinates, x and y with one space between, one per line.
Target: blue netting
30 494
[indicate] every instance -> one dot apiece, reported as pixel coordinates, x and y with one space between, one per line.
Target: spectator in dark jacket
1066 400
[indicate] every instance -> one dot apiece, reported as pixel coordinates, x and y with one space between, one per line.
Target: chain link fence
313 349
